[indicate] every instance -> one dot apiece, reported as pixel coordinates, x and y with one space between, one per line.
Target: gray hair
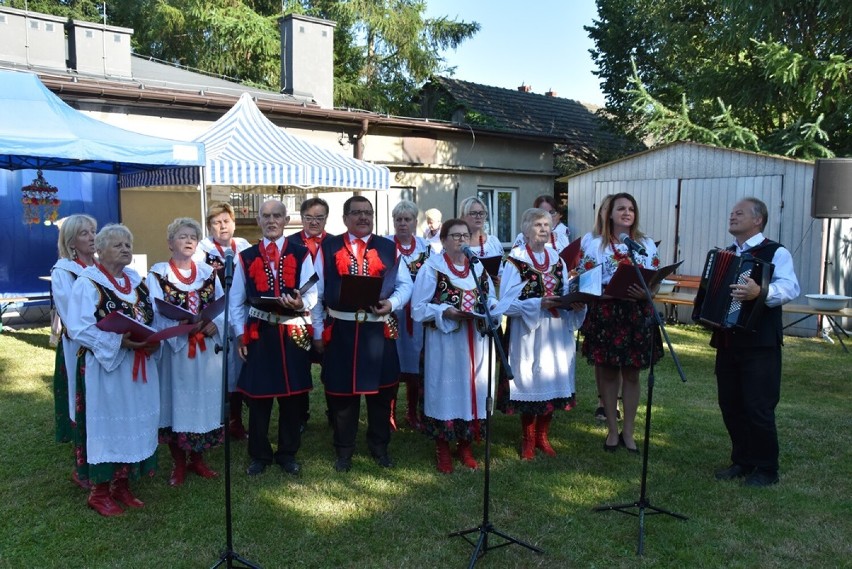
758 209
530 216
110 234
405 206
172 229
434 214
71 226
467 203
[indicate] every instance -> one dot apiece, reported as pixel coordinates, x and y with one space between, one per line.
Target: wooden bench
685 289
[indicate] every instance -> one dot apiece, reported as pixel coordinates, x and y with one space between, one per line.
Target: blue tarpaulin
81 156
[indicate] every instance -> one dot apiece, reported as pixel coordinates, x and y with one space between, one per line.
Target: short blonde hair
217 209
71 226
434 214
467 203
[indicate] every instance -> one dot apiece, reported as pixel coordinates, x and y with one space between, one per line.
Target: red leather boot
101 502
528 432
120 491
179 471
198 466
465 456
235 423
542 427
412 396
393 413
442 452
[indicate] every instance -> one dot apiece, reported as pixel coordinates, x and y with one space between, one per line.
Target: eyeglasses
476 213
361 213
314 218
459 236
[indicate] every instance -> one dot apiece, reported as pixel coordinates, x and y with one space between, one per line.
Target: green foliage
744 73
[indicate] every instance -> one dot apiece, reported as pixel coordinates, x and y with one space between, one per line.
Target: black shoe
291 467
611 448
384 461
600 414
343 464
732 472
761 479
622 443
255 468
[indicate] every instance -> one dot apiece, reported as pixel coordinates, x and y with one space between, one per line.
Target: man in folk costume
314 214
360 346
269 319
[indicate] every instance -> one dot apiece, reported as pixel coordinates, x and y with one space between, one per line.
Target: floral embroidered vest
534 286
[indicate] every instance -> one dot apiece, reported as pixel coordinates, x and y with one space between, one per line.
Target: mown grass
400 518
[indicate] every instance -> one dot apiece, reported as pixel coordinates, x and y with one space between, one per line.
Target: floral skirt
621 333
453 429
106 471
192 442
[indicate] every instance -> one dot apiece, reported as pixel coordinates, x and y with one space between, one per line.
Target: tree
383 49
775 75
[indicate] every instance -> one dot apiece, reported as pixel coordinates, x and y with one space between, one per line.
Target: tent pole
203 188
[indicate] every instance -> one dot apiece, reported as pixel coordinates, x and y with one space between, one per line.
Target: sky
540 43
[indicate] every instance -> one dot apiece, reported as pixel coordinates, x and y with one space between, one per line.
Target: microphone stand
229 555
643 503
481 546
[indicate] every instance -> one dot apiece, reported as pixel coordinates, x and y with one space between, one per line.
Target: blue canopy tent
38 131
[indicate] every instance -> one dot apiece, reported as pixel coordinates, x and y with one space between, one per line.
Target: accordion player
714 306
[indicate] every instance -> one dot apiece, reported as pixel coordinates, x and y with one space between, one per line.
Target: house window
247 205
48 27
501 212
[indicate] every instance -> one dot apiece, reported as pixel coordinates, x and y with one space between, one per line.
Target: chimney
550 93
525 88
307 58
98 49
32 39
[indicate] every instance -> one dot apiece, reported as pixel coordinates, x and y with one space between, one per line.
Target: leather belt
273 318
358 316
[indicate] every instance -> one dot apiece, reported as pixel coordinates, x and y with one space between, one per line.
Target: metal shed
685 191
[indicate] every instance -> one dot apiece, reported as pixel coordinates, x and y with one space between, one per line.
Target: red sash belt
196 341
139 357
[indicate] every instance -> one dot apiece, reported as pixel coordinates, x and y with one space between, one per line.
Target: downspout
358 147
359 139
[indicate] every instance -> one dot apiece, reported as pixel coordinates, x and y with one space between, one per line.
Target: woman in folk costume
118 387
474 212
560 237
445 299
190 369
76 252
411 252
221 224
541 334
618 338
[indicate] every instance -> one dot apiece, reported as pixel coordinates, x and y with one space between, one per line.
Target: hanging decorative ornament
41 201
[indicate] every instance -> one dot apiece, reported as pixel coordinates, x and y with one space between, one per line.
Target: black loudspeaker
832 191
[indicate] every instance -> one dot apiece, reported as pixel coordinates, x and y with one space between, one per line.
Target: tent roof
245 148
40 131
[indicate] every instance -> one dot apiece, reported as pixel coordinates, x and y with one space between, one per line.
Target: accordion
714 306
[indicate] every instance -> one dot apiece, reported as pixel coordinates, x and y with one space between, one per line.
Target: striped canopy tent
244 148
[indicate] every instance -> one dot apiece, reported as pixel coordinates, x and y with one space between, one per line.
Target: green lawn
400 518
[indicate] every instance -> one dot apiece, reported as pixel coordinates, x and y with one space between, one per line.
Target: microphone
229 268
632 245
468 252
